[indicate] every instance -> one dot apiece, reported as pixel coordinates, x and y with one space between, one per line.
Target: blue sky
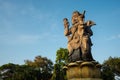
35 27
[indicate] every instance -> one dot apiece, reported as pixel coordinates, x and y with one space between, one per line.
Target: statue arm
90 32
67 31
90 23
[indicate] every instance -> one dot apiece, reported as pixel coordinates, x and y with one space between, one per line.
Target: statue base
83 70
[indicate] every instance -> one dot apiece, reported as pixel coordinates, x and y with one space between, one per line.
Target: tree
107 73
12 71
61 60
111 67
39 69
43 65
114 64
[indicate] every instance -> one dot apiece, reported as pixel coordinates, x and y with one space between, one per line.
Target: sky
29 28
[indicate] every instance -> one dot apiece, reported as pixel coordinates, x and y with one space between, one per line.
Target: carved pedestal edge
83 70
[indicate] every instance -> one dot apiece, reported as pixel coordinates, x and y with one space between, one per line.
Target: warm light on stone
83 71
81 64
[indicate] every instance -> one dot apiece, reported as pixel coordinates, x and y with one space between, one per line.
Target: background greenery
42 68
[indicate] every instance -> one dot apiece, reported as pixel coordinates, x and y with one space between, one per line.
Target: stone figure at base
79 41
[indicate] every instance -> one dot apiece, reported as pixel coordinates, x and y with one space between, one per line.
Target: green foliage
114 64
107 73
61 60
62 55
39 69
41 63
111 67
15 72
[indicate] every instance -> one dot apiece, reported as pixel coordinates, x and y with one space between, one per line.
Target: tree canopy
61 60
111 68
39 69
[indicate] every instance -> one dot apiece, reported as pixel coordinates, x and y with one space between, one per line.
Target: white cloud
19 39
114 37
27 39
119 36
11 13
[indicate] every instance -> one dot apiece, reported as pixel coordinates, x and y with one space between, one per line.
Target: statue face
75 14
75 17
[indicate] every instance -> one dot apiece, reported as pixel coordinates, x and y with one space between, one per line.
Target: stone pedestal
83 70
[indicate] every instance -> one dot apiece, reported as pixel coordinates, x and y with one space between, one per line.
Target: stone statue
81 64
79 42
